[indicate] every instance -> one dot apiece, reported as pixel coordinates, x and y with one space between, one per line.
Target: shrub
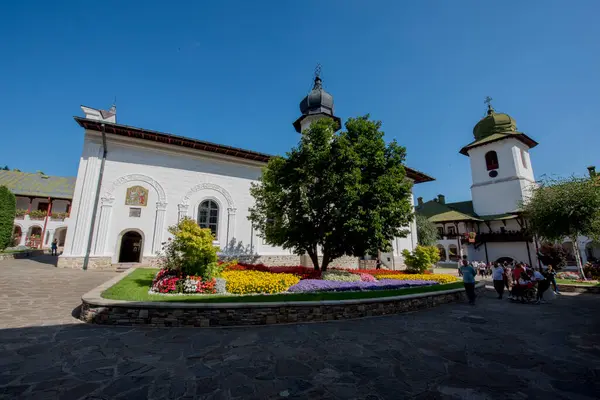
38 214
340 276
191 251
317 285
421 258
245 282
7 216
592 271
440 278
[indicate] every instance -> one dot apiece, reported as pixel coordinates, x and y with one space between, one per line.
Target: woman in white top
498 277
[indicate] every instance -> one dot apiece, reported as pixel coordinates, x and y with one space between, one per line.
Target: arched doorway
131 247
17 234
60 234
34 238
442 251
453 253
502 260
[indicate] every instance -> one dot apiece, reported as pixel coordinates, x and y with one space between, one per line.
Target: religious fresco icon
136 196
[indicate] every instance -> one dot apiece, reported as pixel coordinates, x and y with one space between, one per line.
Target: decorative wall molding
209 186
162 197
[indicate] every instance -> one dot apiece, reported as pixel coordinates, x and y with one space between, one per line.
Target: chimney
441 199
420 201
592 171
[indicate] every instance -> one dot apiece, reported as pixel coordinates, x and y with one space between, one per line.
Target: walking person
498 277
468 274
54 247
543 285
552 279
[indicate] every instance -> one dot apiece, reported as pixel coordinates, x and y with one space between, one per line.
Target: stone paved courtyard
494 350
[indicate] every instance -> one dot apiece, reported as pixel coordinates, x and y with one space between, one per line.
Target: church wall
177 180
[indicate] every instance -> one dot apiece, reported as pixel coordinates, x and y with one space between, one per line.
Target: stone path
34 292
494 350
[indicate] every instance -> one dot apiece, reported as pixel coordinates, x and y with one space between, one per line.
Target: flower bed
245 282
319 285
167 281
302 272
568 275
439 278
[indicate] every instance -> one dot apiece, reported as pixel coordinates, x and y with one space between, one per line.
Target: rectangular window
440 231
43 206
135 212
451 230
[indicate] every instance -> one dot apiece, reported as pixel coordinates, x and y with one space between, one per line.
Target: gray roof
38 184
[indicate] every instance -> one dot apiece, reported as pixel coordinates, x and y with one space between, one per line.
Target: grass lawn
570 282
136 285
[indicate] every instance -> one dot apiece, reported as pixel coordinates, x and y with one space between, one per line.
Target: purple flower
318 285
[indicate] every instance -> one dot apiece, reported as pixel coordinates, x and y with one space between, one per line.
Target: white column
447 248
24 232
231 226
159 224
50 235
182 211
83 203
101 232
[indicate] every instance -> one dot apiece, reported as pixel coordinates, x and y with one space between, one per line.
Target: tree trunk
578 257
315 259
325 263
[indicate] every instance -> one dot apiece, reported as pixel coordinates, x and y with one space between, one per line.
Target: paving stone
494 350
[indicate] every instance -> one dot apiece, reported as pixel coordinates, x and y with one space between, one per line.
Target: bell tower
316 105
501 170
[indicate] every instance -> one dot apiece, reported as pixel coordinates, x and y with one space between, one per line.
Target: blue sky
234 73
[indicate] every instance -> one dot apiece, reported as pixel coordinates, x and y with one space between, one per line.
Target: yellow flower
245 282
439 278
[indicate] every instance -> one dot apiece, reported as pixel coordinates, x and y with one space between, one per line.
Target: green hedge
8 204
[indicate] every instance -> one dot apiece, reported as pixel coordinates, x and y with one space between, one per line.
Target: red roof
167 138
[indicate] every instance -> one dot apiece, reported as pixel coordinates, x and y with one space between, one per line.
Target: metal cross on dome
318 71
488 100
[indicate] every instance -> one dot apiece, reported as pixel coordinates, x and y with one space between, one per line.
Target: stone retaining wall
116 312
21 254
579 289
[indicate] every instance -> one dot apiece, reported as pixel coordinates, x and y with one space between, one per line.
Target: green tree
342 194
552 254
427 234
421 258
560 208
8 205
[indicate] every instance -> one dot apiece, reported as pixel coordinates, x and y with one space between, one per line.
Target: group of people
517 278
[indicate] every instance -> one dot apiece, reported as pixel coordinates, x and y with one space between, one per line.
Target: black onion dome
318 101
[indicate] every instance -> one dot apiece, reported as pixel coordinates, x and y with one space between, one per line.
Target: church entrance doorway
131 247
501 260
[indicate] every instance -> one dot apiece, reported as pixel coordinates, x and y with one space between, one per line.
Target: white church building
133 183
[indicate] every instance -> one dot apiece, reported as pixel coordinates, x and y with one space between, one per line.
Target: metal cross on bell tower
488 101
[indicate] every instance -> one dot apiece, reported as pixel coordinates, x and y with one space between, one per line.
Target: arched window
523 158
208 216
491 160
